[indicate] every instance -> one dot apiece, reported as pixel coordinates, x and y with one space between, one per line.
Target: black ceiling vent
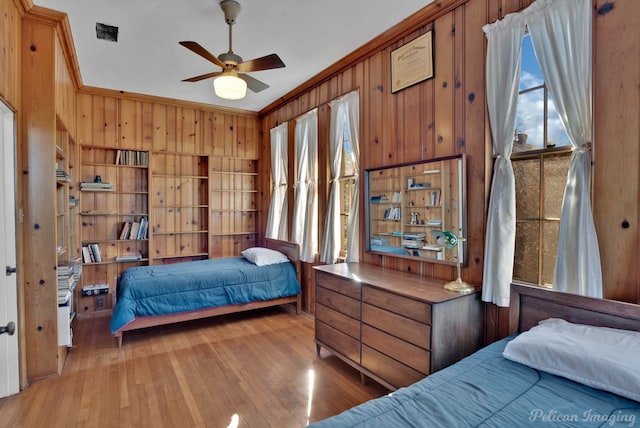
106 32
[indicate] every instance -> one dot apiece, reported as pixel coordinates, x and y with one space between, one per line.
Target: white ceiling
308 35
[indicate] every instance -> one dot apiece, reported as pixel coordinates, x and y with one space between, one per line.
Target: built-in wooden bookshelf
67 263
115 193
233 205
180 205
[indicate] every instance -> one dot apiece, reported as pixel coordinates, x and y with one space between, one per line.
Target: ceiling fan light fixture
230 87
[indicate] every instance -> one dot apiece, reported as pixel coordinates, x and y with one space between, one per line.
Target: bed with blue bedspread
557 373
162 294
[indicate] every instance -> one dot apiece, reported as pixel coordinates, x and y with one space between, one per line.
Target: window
347 184
540 181
540 172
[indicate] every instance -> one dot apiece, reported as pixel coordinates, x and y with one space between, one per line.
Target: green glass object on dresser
394 327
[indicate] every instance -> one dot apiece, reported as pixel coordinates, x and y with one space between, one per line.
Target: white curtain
561 35
352 105
305 211
344 110
278 207
503 79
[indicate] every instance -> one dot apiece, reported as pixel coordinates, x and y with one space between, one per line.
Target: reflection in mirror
404 203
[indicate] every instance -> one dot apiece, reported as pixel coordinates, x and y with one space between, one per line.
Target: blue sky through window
530 116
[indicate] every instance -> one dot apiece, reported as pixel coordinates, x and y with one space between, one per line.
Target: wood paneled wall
446 115
138 122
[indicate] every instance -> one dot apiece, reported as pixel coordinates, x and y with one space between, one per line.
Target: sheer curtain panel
503 78
304 229
344 110
278 206
561 34
352 105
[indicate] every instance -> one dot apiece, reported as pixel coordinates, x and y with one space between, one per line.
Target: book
96 186
86 255
135 227
129 258
144 227
95 251
124 233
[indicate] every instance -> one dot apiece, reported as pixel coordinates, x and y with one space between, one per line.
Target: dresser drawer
341 285
413 309
338 320
337 341
407 329
388 369
338 302
397 349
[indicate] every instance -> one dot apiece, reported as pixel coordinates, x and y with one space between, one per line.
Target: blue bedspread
181 287
487 390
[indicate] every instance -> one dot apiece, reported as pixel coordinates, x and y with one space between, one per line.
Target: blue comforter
487 390
181 287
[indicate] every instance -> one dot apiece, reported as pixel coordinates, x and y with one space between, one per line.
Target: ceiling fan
231 82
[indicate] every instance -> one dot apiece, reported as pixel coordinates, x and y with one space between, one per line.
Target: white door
9 369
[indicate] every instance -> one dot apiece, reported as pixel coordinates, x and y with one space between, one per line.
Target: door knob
11 270
10 328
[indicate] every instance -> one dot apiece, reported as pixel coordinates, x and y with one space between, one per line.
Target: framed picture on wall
412 62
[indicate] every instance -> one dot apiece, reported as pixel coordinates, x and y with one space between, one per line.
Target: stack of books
129 258
379 199
96 186
66 283
61 175
413 240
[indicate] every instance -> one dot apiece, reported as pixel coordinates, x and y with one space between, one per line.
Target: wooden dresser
394 327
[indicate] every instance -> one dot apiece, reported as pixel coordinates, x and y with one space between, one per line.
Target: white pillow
264 256
600 357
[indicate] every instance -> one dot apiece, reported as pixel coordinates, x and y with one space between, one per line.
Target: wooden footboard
152 321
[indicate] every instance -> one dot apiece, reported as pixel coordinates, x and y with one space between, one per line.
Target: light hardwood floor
261 366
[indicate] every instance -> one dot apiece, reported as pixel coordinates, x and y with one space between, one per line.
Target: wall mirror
406 205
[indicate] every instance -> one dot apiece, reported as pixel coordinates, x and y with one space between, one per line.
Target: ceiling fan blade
195 47
203 76
263 63
252 83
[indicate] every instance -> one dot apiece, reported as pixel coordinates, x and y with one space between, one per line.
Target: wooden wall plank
130 124
617 146
37 153
476 146
10 32
444 32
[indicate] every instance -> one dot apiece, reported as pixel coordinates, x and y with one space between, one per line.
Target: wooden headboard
290 250
530 304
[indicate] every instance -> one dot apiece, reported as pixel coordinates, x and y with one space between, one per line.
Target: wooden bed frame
530 304
291 250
